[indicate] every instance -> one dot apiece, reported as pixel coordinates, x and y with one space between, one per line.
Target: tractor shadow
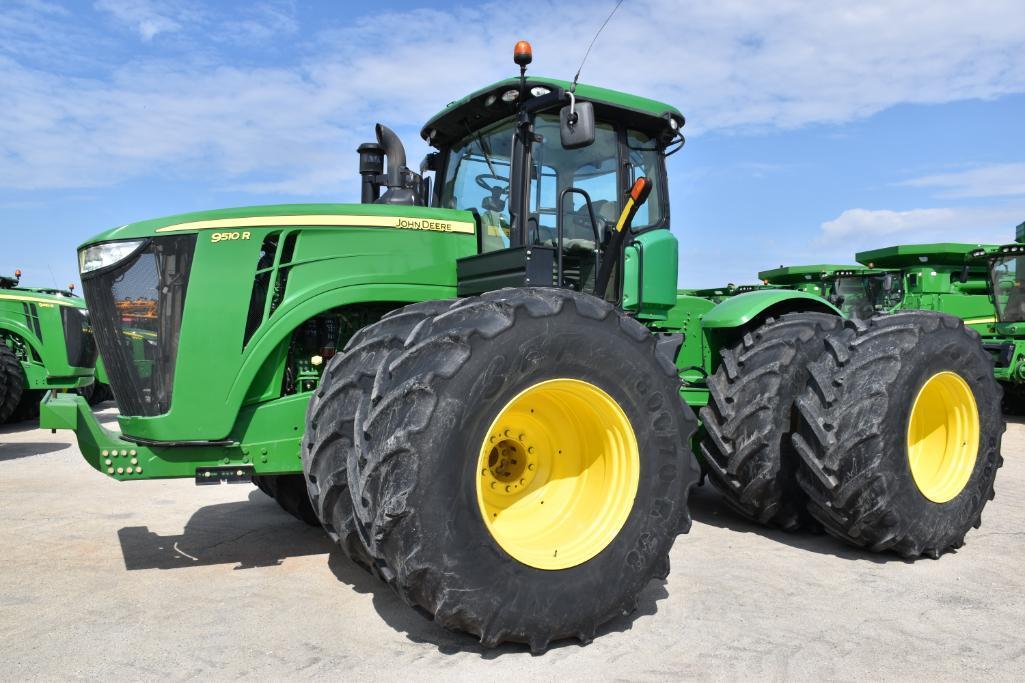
419 628
707 506
247 534
14 450
27 449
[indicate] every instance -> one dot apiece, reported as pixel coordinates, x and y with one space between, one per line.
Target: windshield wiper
483 148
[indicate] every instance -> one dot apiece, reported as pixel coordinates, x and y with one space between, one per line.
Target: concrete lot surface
164 580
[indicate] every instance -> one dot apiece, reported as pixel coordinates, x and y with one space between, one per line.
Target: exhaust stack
403 186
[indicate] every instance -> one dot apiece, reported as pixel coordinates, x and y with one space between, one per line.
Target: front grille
78 337
136 311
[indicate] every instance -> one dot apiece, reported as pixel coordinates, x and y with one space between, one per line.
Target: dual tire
886 433
515 465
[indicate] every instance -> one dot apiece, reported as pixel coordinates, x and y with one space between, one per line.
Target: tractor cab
1005 266
862 292
567 185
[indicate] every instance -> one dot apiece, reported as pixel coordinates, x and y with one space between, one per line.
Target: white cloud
729 65
147 17
996 180
856 229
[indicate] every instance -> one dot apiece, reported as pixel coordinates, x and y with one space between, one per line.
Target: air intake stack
403 186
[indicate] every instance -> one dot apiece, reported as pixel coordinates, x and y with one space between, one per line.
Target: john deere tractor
483 387
45 343
929 277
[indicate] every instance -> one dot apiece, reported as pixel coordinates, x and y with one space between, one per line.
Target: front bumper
108 452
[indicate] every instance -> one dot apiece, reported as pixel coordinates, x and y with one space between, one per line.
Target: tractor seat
578 234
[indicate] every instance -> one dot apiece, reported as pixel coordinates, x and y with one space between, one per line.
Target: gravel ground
163 579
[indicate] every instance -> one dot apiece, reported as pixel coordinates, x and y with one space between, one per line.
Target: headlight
107 254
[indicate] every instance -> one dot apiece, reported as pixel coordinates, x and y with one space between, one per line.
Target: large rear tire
289 490
328 439
96 393
490 410
899 434
12 382
28 407
745 445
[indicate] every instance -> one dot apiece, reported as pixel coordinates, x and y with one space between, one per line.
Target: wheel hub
512 463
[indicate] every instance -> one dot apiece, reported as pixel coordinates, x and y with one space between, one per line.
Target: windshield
1008 293
861 296
477 178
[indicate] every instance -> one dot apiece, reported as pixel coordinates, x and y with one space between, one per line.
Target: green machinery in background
814 279
45 343
1004 338
928 277
474 385
720 294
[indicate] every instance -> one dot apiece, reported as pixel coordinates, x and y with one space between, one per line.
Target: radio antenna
573 87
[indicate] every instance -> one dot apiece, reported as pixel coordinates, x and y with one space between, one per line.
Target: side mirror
888 282
965 272
576 125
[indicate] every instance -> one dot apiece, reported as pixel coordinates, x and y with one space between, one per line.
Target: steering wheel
495 190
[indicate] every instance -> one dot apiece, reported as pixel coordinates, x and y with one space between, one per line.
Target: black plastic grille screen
136 312
78 337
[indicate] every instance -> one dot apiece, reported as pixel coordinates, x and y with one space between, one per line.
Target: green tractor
474 385
45 343
1005 337
926 277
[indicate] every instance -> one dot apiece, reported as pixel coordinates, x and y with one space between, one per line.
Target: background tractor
45 343
920 277
474 384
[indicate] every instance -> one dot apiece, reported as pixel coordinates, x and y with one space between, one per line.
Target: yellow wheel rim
943 437
557 473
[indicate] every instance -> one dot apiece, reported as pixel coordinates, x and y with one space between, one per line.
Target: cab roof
478 109
905 255
792 275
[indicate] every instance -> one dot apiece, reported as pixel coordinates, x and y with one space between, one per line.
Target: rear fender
724 324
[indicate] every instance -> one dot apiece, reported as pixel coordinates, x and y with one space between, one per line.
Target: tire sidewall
945 350
474 397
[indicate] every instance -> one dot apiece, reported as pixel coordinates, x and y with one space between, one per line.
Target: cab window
645 159
477 178
554 169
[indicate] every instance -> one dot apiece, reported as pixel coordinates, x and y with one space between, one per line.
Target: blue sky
814 129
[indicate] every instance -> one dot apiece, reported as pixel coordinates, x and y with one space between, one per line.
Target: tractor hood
194 314
294 215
